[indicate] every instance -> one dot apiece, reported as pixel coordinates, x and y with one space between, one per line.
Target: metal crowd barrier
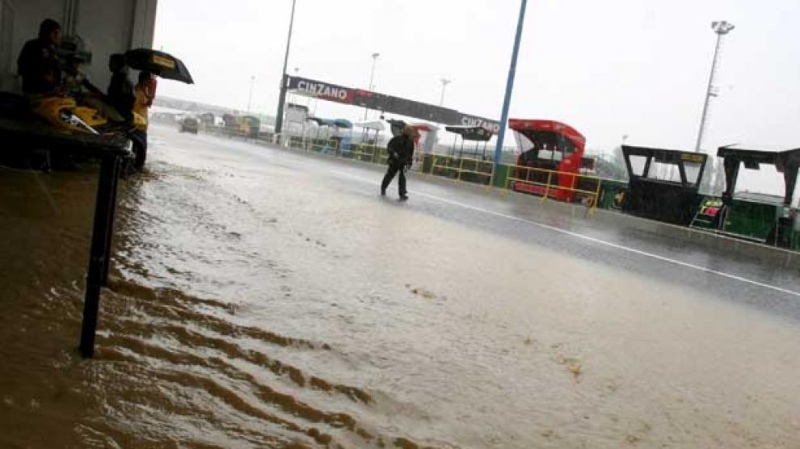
456 168
546 182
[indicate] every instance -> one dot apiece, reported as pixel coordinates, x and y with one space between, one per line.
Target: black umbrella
158 63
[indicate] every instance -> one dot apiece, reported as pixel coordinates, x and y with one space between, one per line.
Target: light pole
250 97
445 82
498 151
371 79
282 96
721 28
372 74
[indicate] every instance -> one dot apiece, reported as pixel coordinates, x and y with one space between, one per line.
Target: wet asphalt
627 243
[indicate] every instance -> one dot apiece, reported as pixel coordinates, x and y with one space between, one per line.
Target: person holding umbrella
160 64
401 154
134 102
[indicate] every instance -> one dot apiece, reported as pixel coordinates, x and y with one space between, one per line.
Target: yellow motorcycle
93 116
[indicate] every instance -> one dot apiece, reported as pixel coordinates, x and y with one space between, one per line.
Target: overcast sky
609 68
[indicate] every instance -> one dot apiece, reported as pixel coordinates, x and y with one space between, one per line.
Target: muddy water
253 304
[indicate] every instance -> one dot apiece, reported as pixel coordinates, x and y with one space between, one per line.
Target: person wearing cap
401 154
38 63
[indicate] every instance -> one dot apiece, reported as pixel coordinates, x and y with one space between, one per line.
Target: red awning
567 131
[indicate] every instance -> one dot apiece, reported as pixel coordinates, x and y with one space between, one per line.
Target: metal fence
564 186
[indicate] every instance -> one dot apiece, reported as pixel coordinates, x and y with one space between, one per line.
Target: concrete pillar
7 57
114 26
69 22
144 23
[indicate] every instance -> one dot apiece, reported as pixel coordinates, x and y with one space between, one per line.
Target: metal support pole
110 216
99 252
498 152
250 96
596 196
284 76
547 187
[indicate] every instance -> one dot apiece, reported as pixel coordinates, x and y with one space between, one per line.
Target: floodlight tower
721 28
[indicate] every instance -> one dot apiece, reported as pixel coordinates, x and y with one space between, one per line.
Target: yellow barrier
461 166
366 154
551 188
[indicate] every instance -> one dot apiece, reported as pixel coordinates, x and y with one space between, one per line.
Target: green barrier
500 176
751 219
609 189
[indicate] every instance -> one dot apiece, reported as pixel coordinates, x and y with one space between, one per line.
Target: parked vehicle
189 125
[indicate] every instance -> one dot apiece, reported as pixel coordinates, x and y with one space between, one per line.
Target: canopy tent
320 121
333 123
766 218
549 133
372 126
370 132
343 123
786 162
471 132
663 184
476 134
336 126
552 153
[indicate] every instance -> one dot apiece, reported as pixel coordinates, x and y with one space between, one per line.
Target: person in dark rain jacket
401 155
120 90
38 63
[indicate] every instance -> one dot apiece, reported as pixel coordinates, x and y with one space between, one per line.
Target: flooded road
261 298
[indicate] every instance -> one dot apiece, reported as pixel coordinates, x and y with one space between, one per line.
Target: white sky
609 68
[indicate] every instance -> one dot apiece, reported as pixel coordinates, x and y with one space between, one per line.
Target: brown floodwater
252 304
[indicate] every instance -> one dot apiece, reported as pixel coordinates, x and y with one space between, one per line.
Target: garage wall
144 25
114 26
28 15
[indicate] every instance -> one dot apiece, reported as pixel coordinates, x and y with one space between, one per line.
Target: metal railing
548 183
456 168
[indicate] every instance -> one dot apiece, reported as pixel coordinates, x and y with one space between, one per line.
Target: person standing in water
401 155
